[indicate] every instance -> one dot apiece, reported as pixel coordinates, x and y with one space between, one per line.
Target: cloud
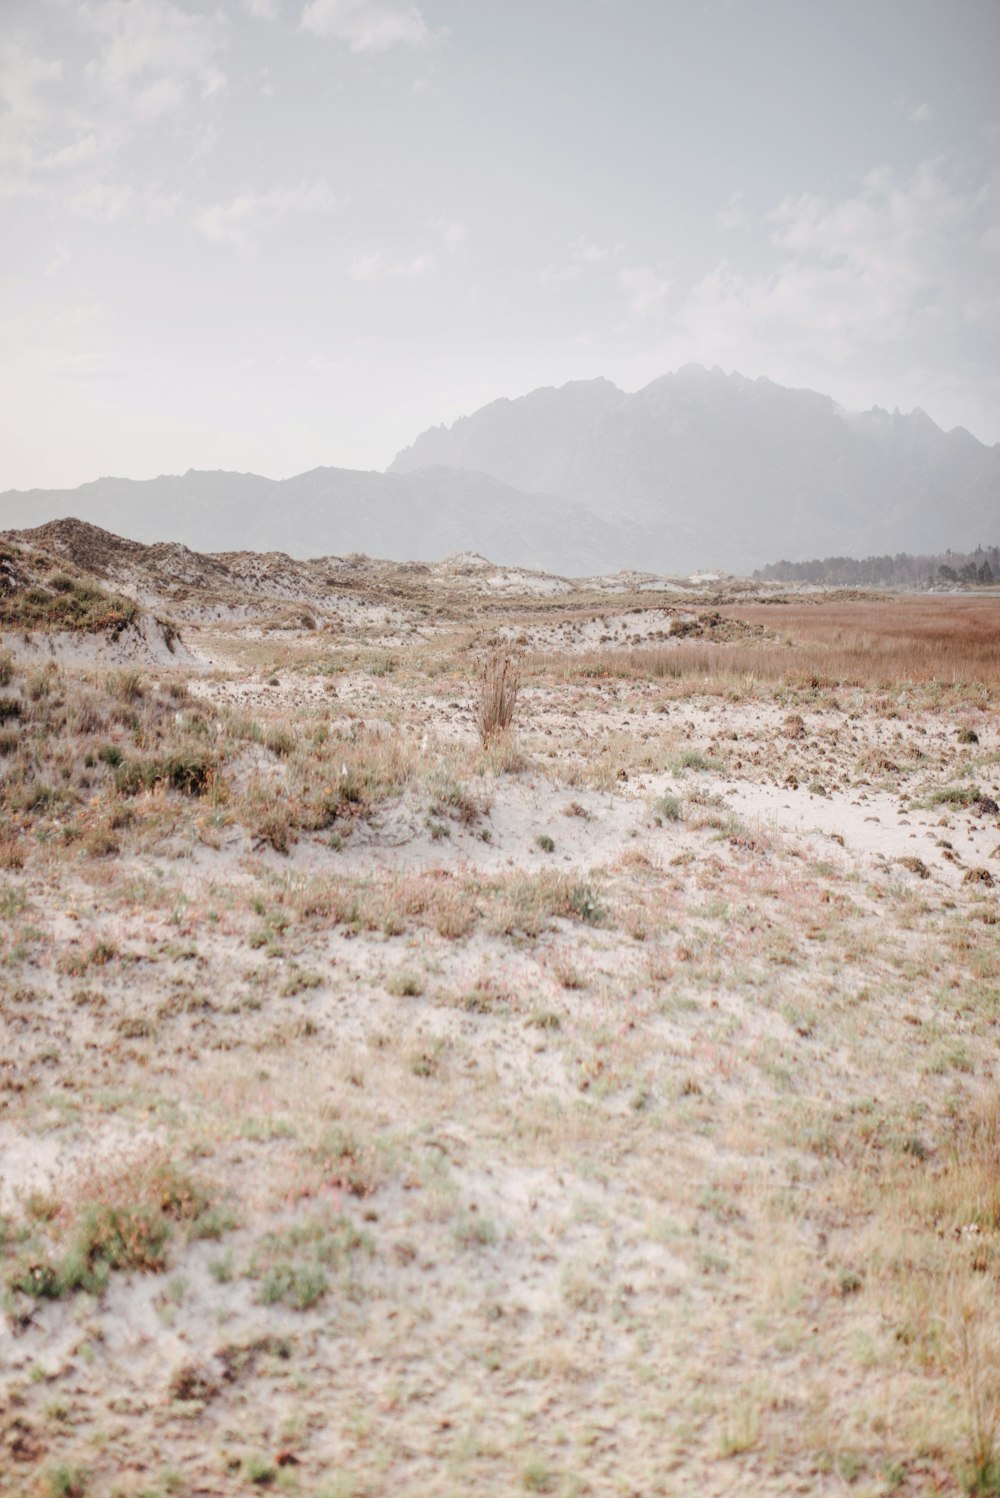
29 95
23 84
903 274
559 275
590 254
73 364
645 291
732 215
82 151
161 207
367 25
60 257
98 199
244 219
583 255
919 114
374 267
453 232
163 96
156 53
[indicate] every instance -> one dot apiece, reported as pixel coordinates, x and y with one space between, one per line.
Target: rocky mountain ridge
734 471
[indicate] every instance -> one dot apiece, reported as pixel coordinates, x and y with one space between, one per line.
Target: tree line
947 569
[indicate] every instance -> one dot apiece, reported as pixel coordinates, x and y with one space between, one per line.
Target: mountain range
731 471
698 469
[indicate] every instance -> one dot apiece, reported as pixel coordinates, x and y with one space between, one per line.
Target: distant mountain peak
725 468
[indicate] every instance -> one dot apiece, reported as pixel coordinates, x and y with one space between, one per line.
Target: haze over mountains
697 469
335 511
732 471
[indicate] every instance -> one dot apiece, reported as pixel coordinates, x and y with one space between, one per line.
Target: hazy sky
270 234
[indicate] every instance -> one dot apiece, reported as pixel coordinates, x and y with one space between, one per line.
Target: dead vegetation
499 684
951 644
36 598
616 1100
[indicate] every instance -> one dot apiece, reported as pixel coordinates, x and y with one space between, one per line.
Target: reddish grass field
877 644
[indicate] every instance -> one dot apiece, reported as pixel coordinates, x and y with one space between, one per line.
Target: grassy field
545 1048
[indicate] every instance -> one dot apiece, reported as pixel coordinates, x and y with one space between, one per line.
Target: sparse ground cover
390 1104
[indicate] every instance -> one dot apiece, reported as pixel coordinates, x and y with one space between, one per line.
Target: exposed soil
601 1112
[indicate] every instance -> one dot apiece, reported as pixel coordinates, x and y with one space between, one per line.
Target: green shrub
668 807
693 759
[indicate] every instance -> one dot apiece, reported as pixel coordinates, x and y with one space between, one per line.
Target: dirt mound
54 602
86 546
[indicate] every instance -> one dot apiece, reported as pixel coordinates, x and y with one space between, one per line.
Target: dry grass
678 1128
119 1217
933 1242
950 642
61 602
499 685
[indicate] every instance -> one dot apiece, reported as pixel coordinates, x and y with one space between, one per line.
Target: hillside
56 605
335 511
731 471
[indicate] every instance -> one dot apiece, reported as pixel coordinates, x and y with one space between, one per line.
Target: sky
266 235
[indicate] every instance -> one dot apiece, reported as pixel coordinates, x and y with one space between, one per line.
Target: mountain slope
734 471
334 511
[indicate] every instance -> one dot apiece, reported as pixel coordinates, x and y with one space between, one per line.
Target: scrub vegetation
500 1037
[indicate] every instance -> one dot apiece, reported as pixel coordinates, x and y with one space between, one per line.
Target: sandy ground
559 1127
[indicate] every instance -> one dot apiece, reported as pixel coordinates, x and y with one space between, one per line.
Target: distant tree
899 571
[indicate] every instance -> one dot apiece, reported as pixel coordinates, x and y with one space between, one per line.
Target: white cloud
163 96
559 275
242 220
102 200
903 273
60 257
375 267
919 114
161 207
590 254
23 80
453 232
733 215
28 97
144 61
81 152
645 291
74 364
583 255
367 25
155 52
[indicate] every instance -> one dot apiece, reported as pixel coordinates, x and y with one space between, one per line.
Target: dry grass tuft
499 685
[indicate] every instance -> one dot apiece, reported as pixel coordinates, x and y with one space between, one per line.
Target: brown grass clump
499 685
